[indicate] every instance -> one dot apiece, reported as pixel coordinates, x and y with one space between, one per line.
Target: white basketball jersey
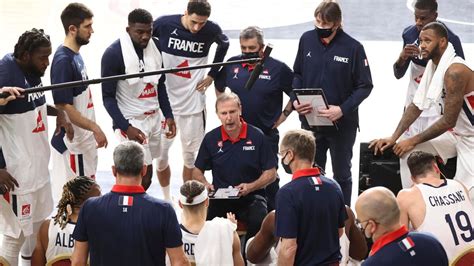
449 216
189 240
465 123
60 241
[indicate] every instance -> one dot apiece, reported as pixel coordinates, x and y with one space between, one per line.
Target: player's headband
196 200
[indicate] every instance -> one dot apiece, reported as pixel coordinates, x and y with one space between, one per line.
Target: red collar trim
128 189
250 67
306 172
324 42
387 239
242 134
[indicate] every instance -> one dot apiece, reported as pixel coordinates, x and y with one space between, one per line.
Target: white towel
431 85
151 57
214 243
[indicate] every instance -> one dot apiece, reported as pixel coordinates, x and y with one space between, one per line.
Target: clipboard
225 193
318 101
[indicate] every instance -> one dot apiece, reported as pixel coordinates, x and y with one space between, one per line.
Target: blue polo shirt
401 247
340 68
311 209
411 35
235 161
262 105
127 227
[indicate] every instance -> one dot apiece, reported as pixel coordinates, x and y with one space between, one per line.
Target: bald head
379 204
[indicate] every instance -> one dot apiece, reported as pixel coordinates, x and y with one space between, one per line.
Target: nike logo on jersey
174 32
39 124
184 45
183 74
148 92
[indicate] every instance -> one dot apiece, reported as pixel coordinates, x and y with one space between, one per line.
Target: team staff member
55 236
239 155
134 104
262 105
185 41
306 237
24 140
80 158
330 59
425 12
126 226
435 205
378 216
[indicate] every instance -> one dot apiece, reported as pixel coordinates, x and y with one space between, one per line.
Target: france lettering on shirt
185 45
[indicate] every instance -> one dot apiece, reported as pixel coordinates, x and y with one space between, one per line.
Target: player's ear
114 171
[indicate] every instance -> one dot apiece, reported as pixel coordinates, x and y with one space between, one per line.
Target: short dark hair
329 11
140 15
301 142
430 5
31 40
420 163
252 32
75 14
438 28
129 158
199 7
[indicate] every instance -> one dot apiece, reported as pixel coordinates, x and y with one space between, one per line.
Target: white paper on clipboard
317 100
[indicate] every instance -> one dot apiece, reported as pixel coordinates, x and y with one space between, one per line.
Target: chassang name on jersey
446 200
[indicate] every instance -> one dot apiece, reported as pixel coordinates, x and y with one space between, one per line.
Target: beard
34 71
81 41
436 52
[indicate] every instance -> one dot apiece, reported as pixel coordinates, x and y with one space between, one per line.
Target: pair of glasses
359 223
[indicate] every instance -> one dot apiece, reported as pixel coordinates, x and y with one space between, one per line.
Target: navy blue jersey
401 247
311 209
340 68
235 161
410 36
127 227
113 64
262 105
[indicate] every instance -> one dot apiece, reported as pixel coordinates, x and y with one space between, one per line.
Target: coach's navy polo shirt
127 227
311 209
235 161
401 247
262 104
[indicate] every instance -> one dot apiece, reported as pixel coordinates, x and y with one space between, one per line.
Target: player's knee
162 163
188 160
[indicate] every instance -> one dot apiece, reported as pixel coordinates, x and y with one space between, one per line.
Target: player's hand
404 146
380 145
302 109
231 217
171 133
62 122
410 50
333 113
245 189
7 182
14 93
100 137
135 134
209 186
204 84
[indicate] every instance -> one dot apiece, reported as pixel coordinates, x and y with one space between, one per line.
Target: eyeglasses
283 153
359 223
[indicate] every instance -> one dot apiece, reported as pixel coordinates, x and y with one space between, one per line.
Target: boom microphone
259 67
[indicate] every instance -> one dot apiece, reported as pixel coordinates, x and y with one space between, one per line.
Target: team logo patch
248 142
126 201
220 144
248 148
25 210
236 71
183 74
174 32
406 244
265 72
39 124
148 92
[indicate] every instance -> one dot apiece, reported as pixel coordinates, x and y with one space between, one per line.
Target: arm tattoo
409 116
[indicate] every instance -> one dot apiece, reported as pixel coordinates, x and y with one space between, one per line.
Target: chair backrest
4 262
465 259
60 260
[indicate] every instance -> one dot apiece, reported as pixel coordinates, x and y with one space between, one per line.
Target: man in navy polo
310 211
240 156
378 216
126 226
330 59
262 105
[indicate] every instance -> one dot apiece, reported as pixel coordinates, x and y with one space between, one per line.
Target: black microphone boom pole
259 67
127 76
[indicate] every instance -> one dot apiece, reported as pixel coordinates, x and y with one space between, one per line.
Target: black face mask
286 167
324 33
250 55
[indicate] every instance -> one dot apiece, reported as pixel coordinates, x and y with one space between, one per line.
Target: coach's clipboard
225 193
318 101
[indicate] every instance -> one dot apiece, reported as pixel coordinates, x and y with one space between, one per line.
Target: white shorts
80 164
19 212
191 129
150 125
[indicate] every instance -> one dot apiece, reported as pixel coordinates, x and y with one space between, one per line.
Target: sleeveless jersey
60 241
